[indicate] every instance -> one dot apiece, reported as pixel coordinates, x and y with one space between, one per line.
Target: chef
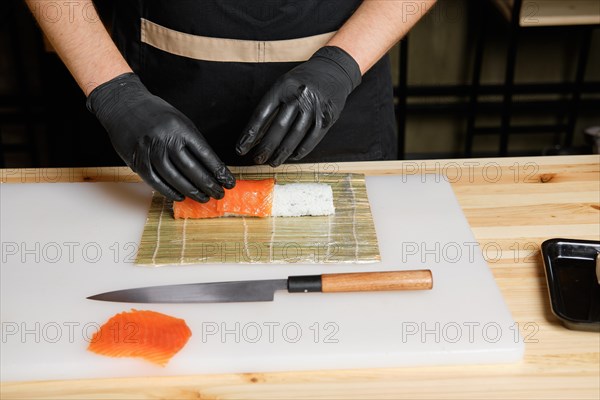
194 85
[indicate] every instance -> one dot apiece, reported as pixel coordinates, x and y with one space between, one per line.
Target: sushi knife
264 290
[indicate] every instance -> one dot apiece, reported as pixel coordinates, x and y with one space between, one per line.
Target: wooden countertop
512 204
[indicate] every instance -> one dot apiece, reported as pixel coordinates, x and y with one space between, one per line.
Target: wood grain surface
512 204
420 279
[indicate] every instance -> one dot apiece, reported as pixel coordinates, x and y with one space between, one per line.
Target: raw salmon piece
150 335
189 208
248 198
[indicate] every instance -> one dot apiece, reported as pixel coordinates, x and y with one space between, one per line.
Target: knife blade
264 290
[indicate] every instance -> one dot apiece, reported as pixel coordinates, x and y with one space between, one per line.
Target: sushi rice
299 199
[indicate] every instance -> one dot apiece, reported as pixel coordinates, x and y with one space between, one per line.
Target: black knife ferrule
307 283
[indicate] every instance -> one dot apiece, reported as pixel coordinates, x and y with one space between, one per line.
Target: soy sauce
578 288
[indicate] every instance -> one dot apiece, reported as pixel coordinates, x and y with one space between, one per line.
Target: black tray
570 267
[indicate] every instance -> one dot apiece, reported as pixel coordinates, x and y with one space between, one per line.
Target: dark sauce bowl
570 267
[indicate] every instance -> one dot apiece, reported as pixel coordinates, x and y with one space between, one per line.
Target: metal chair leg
584 51
509 77
401 106
480 32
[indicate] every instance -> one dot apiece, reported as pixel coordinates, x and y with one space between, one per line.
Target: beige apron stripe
231 50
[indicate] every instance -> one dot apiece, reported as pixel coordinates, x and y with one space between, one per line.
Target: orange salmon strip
150 335
252 198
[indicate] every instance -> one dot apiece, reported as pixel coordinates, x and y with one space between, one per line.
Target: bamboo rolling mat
348 236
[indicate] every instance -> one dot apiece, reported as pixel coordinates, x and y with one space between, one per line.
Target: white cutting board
64 242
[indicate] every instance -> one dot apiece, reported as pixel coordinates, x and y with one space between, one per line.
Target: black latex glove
298 110
158 142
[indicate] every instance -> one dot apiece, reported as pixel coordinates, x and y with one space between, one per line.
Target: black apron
220 96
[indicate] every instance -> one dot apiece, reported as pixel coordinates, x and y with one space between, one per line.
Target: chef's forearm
376 26
80 39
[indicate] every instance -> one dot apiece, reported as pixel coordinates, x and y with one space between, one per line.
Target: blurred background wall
441 52
43 120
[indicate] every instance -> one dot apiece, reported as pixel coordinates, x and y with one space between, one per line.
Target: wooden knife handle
377 281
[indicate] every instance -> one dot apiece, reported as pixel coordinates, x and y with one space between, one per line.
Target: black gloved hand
298 110
158 142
